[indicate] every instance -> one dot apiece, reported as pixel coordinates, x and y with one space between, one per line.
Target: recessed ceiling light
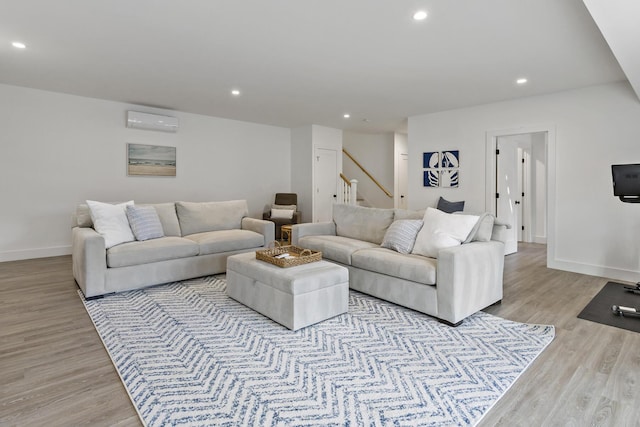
420 15
521 81
235 92
19 45
346 116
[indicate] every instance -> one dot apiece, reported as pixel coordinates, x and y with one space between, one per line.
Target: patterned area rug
190 355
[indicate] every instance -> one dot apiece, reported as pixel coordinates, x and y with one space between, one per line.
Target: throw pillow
145 222
401 235
450 207
282 213
292 207
111 222
442 230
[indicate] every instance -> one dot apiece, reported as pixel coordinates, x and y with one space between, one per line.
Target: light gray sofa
198 239
461 281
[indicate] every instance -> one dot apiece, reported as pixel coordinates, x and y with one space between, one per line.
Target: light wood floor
54 370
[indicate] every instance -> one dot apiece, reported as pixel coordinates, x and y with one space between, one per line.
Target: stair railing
348 190
366 172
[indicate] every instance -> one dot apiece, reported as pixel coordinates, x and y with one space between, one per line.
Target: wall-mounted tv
626 182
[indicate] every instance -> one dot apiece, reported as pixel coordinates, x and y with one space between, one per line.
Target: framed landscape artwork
151 160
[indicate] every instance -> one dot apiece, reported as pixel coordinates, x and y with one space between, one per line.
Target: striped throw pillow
401 235
144 222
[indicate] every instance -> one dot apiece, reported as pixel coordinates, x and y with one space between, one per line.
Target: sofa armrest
89 260
261 226
469 278
312 229
499 232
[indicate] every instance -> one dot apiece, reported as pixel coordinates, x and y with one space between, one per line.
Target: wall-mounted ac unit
138 120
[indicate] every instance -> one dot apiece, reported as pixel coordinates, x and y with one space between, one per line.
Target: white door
403 171
507 191
326 184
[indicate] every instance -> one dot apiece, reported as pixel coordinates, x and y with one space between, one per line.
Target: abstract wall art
442 169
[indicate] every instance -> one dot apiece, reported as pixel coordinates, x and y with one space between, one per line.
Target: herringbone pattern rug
189 355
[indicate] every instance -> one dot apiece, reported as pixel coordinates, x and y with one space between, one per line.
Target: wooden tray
298 256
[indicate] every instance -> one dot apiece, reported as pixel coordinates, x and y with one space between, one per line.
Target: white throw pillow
282 213
442 230
111 222
274 206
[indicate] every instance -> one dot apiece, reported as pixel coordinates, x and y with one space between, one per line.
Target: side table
285 233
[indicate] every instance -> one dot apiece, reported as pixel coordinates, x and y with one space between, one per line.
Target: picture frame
151 160
441 169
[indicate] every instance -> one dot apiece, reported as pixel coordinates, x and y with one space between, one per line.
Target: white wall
591 231
539 178
58 150
375 152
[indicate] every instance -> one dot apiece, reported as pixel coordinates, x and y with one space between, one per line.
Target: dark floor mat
599 309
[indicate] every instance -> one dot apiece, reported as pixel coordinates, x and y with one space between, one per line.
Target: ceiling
304 62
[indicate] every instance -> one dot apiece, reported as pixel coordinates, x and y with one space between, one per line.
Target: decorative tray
288 256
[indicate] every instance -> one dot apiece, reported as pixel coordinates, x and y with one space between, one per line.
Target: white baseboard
34 253
596 270
540 239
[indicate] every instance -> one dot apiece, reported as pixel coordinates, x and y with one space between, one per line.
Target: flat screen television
626 182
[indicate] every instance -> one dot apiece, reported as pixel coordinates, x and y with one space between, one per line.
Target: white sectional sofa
198 238
458 282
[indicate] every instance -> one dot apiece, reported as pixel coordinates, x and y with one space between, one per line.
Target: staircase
349 190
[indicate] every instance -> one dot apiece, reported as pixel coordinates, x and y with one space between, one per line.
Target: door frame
490 176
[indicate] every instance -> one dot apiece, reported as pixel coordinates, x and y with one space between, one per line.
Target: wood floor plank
56 372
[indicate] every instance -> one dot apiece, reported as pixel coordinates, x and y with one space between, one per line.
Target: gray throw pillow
450 207
144 222
401 235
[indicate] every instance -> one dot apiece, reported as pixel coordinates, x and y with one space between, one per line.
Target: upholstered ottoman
295 296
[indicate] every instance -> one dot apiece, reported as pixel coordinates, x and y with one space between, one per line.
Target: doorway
403 185
326 184
517 184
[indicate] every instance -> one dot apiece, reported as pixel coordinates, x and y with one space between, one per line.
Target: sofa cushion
168 218
399 214
361 223
144 222
83 216
162 249
111 222
214 242
442 230
335 248
401 235
385 261
210 216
